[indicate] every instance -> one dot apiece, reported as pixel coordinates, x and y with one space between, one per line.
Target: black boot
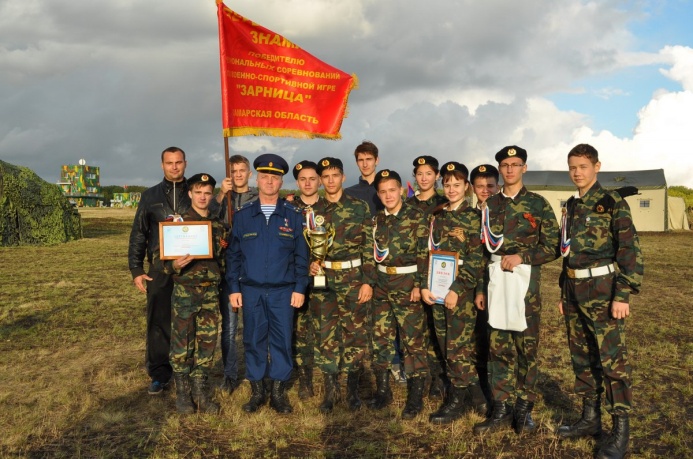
279 401
383 394
589 425
184 404
415 389
305 382
616 446
438 386
258 397
501 415
201 395
452 408
353 400
229 385
522 416
478 399
331 383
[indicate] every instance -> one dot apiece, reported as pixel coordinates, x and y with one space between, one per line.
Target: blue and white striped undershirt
267 209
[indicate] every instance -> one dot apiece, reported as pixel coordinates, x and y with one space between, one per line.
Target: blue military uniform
267 261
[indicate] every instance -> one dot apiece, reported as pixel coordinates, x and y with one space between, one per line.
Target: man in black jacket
166 201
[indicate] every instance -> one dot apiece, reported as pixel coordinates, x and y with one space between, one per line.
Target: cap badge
325 163
204 178
421 161
271 164
451 167
482 168
512 152
385 174
299 166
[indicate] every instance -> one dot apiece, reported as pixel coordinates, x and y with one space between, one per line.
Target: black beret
426 159
512 152
305 164
328 162
485 170
386 174
202 178
454 166
271 164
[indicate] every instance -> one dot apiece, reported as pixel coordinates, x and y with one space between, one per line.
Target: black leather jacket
156 205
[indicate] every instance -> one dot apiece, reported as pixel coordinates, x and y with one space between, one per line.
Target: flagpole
229 205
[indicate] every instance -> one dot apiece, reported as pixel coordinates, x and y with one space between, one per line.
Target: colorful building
126 199
81 184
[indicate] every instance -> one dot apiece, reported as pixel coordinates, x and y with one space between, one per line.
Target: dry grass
73 382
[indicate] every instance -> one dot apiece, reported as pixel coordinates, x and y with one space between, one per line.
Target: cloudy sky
116 82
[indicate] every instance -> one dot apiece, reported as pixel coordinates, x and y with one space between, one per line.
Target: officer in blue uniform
267 271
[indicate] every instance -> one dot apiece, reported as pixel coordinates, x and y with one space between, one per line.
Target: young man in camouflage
341 311
602 267
195 305
521 232
484 180
455 228
308 181
401 252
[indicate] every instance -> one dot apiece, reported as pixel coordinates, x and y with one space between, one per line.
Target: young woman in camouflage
400 252
602 267
426 174
455 228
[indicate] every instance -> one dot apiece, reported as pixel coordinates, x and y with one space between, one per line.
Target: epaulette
605 204
290 206
244 206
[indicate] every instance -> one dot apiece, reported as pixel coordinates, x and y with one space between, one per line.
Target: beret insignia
512 152
204 178
451 167
299 166
384 174
482 168
421 161
325 163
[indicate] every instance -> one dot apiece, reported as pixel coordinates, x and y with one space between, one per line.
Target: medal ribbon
378 253
493 241
565 240
432 245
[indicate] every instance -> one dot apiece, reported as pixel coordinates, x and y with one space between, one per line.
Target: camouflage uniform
406 237
339 319
436 353
195 306
458 231
529 227
601 232
304 329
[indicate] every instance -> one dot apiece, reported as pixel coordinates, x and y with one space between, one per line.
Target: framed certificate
177 239
442 271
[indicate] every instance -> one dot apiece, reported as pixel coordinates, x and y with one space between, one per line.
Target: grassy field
73 383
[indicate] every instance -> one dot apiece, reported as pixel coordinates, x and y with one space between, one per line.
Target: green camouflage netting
33 211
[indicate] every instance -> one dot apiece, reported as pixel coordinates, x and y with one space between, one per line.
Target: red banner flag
270 86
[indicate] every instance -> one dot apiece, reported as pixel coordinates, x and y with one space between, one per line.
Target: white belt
397 269
343 264
496 258
590 272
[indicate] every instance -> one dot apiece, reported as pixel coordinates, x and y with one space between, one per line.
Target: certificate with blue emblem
442 271
177 239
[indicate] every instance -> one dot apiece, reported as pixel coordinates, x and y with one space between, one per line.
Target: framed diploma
177 239
442 271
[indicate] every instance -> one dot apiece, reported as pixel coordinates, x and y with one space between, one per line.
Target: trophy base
319 282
